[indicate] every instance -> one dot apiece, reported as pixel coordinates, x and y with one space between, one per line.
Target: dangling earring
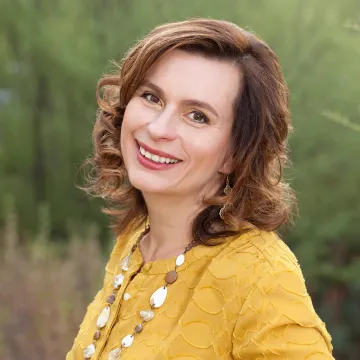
227 190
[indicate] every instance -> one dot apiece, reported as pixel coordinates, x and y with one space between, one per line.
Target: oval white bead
114 354
125 263
146 315
127 340
158 297
118 280
103 317
126 296
89 351
180 260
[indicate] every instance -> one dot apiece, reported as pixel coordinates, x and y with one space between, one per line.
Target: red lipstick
157 152
152 165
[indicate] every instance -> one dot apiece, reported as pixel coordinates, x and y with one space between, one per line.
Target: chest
196 320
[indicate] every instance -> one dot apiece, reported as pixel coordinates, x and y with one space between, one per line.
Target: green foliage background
52 54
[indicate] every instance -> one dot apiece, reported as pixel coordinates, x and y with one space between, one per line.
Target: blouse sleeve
277 321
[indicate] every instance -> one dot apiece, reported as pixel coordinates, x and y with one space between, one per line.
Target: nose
163 126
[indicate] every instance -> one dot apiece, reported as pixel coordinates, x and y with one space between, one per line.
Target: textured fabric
245 299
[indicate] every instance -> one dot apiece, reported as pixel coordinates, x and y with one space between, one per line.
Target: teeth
157 158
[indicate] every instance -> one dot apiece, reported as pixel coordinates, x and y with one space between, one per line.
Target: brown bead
138 328
97 335
171 277
111 299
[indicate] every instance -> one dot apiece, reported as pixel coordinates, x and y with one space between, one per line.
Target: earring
227 187
227 190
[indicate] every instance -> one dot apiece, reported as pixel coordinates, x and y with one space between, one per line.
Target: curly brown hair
260 198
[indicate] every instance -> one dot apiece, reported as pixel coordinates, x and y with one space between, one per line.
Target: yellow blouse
245 299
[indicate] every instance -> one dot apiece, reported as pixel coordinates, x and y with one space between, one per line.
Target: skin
163 121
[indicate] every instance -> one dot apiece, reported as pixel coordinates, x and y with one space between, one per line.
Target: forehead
182 75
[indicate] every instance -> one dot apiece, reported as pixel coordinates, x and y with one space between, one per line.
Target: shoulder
271 291
257 253
271 284
249 265
263 269
264 245
264 261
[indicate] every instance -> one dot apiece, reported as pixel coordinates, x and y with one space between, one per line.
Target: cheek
210 150
127 128
133 120
130 116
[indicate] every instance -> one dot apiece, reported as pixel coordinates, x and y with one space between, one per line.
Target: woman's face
176 131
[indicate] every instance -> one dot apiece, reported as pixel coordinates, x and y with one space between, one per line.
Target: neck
171 216
170 225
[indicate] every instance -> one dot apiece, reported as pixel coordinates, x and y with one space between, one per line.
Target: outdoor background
54 241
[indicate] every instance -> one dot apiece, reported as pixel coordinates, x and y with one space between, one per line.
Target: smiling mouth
155 158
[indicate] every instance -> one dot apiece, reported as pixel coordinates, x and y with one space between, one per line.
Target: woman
190 142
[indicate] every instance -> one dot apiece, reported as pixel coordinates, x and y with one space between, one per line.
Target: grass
45 289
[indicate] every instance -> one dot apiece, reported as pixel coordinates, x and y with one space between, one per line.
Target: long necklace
157 299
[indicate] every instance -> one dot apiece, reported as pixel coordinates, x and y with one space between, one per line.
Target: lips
152 165
157 152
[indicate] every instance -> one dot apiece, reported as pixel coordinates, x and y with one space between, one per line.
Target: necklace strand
157 299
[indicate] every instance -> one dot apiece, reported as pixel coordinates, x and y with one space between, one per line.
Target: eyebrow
188 102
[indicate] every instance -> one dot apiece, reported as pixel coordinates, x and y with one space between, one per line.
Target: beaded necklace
157 299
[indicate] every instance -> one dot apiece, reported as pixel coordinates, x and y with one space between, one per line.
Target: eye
199 117
151 98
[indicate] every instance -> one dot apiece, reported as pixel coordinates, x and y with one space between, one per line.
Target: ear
226 168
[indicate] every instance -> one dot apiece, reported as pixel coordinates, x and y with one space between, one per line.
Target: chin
147 185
